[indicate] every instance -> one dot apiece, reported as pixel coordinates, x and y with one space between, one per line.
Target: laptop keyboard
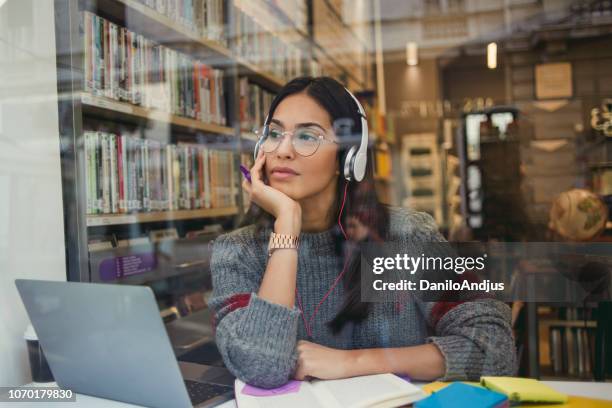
200 392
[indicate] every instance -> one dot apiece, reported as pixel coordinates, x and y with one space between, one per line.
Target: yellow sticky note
523 389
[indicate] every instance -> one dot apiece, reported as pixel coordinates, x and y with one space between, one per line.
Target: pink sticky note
291 386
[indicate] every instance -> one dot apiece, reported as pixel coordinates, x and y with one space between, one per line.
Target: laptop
109 341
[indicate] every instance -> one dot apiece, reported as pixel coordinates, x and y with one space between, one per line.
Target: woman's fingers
256 170
300 370
246 186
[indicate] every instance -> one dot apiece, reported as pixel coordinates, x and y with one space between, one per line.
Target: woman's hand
315 360
280 205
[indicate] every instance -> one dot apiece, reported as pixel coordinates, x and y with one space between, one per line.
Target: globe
578 215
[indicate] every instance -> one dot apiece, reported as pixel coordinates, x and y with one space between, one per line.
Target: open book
369 391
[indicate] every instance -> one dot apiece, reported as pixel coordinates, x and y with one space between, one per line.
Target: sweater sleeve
475 336
255 337
475 339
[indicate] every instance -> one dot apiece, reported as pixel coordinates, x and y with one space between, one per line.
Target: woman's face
313 174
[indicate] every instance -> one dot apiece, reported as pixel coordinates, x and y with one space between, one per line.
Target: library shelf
166 31
103 106
97 220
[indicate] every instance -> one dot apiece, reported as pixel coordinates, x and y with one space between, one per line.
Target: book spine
196 90
113 173
105 174
213 179
121 160
233 179
88 175
106 58
207 203
170 177
138 175
145 175
86 30
176 170
201 200
159 156
193 177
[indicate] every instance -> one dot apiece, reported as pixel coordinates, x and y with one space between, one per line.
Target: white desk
583 389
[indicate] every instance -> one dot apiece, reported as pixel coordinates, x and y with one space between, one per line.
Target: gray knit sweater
257 338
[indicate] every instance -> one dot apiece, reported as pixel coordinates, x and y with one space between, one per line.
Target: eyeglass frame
265 131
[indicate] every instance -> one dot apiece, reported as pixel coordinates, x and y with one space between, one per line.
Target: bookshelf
159 75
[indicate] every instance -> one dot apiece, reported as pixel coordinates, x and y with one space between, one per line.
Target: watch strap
280 241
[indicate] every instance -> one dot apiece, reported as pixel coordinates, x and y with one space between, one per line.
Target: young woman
297 312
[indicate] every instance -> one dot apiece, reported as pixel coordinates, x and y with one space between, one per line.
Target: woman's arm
256 320
255 333
278 284
472 339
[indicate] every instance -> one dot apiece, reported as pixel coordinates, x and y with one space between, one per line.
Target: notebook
523 389
458 395
438 385
369 391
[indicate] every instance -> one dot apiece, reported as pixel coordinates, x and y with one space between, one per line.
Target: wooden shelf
154 216
95 104
383 179
249 136
259 76
590 324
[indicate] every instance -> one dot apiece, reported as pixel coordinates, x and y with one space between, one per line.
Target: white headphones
355 159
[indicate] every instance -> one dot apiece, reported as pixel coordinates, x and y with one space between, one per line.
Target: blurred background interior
123 123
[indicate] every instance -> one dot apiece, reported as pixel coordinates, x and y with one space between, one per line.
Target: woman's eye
307 136
274 134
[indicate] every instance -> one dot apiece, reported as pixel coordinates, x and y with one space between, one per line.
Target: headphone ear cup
358 167
348 163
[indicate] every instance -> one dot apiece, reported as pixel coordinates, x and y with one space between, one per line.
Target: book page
366 391
304 398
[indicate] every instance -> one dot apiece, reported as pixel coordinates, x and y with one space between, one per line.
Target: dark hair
361 201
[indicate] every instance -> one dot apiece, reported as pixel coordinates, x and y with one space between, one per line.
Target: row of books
129 174
204 17
125 66
254 105
257 43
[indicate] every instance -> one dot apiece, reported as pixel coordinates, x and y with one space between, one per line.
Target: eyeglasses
305 140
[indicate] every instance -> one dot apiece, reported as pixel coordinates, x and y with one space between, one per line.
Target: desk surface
584 389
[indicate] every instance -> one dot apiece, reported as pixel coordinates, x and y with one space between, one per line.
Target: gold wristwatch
282 241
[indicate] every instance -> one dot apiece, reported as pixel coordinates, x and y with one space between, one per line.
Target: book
369 391
523 389
463 395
